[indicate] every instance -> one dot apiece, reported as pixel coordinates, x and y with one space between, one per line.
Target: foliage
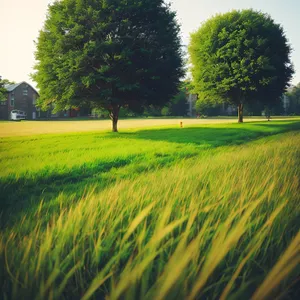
256 108
165 111
126 113
179 105
294 100
151 212
109 54
7 81
3 91
208 109
188 86
152 111
101 113
240 57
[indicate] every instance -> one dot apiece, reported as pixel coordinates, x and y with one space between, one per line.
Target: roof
11 87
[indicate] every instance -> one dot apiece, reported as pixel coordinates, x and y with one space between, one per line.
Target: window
34 99
12 100
3 102
25 91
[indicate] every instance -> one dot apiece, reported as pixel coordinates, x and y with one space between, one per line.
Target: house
21 96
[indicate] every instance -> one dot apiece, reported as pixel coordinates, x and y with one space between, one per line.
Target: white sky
21 20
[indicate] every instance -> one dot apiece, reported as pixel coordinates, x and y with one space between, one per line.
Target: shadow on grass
232 134
24 193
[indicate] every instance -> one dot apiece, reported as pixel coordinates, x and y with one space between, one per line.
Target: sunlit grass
176 220
28 128
33 154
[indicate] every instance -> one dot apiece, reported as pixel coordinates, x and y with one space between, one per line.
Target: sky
20 22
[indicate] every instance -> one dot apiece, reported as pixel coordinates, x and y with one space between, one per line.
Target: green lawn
29 128
162 213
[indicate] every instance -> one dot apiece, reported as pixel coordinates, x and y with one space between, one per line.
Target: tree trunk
268 114
240 113
114 125
114 115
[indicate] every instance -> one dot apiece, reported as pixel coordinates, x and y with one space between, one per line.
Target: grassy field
204 212
26 128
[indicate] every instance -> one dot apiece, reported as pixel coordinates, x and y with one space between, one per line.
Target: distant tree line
249 109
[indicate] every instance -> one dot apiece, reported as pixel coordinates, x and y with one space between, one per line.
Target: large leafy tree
108 54
240 57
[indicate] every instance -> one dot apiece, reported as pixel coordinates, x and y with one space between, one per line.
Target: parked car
17 115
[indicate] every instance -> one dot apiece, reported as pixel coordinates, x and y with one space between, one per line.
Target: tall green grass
223 224
41 167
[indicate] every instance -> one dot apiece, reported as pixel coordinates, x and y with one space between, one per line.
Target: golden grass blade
174 269
222 244
253 247
95 285
138 219
289 260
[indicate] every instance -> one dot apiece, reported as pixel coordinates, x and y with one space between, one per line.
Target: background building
20 96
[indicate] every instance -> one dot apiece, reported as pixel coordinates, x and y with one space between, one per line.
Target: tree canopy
109 54
240 57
